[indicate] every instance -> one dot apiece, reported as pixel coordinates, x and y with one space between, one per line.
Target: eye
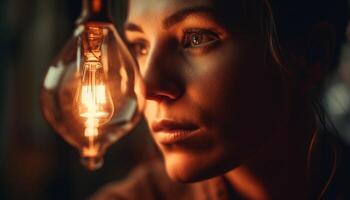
199 38
138 48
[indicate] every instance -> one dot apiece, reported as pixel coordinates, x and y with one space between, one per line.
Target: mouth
171 132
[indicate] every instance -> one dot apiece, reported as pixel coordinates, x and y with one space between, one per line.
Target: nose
162 78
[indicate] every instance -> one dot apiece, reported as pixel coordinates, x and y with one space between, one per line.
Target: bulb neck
95 11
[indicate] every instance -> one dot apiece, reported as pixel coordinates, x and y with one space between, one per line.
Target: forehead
236 16
155 9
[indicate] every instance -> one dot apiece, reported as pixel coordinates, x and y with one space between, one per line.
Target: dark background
35 163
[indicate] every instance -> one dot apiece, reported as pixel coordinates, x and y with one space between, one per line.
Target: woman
230 89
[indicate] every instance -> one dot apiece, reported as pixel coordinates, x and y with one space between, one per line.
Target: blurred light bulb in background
89 93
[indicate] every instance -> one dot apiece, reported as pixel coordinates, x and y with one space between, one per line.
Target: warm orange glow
91 127
91 150
101 94
94 104
96 5
94 99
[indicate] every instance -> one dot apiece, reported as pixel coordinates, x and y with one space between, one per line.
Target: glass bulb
89 92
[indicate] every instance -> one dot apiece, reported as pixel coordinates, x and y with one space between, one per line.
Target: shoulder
147 181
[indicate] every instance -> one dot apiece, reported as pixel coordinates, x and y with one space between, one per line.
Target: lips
170 132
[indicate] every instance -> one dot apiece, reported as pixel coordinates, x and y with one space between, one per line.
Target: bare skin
204 72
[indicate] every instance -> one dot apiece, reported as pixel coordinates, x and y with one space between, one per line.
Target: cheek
152 111
242 96
239 101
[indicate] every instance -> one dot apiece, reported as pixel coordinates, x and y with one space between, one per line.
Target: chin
186 168
183 171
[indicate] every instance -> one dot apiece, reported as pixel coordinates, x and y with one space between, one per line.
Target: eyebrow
173 19
133 27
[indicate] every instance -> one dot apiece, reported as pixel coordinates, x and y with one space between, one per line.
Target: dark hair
295 18
291 20
287 20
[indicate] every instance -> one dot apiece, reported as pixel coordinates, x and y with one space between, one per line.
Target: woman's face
213 98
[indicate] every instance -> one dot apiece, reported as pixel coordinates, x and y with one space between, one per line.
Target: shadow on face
213 96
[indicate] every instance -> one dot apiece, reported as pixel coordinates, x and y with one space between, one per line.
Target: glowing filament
93 104
91 127
94 99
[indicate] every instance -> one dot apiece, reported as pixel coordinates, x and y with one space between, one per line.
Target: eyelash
194 40
138 48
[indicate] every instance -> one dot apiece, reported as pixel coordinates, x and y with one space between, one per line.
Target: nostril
160 97
163 92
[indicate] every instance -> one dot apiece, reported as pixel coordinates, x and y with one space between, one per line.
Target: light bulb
89 93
